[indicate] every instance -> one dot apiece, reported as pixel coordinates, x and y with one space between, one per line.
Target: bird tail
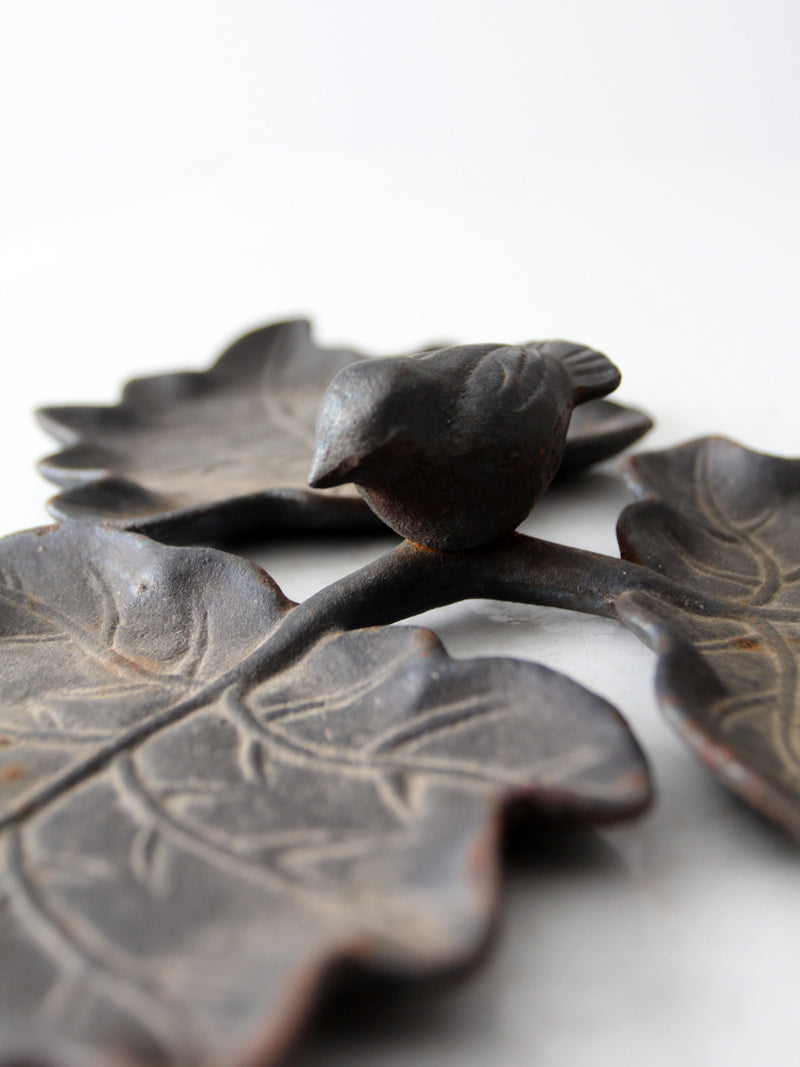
592 373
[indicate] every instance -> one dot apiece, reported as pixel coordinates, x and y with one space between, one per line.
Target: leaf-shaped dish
208 798
207 457
724 523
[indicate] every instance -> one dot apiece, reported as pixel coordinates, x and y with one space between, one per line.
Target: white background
622 173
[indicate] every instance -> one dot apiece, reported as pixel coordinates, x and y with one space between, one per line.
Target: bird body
453 447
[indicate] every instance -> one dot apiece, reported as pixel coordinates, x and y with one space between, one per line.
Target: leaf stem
399 585
413 579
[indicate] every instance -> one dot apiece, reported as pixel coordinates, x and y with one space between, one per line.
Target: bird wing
592 374
509 374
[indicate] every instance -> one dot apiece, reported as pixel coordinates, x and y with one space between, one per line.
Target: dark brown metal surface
724 522
207 455
208 795
598 430
212 456
452 448
709 578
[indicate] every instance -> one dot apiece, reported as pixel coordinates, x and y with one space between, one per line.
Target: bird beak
329 469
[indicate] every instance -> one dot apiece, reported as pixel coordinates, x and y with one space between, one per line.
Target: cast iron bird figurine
452 448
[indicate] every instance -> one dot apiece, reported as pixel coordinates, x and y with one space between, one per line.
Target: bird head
370 415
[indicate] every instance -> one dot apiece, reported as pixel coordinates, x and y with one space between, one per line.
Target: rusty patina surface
210 795
452 448
208 457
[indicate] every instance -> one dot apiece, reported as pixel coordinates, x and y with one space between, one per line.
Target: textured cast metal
724 522
209 795
709 577
453 447
205 457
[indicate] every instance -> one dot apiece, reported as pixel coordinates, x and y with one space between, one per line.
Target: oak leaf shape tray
210 456
724 523
209 796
